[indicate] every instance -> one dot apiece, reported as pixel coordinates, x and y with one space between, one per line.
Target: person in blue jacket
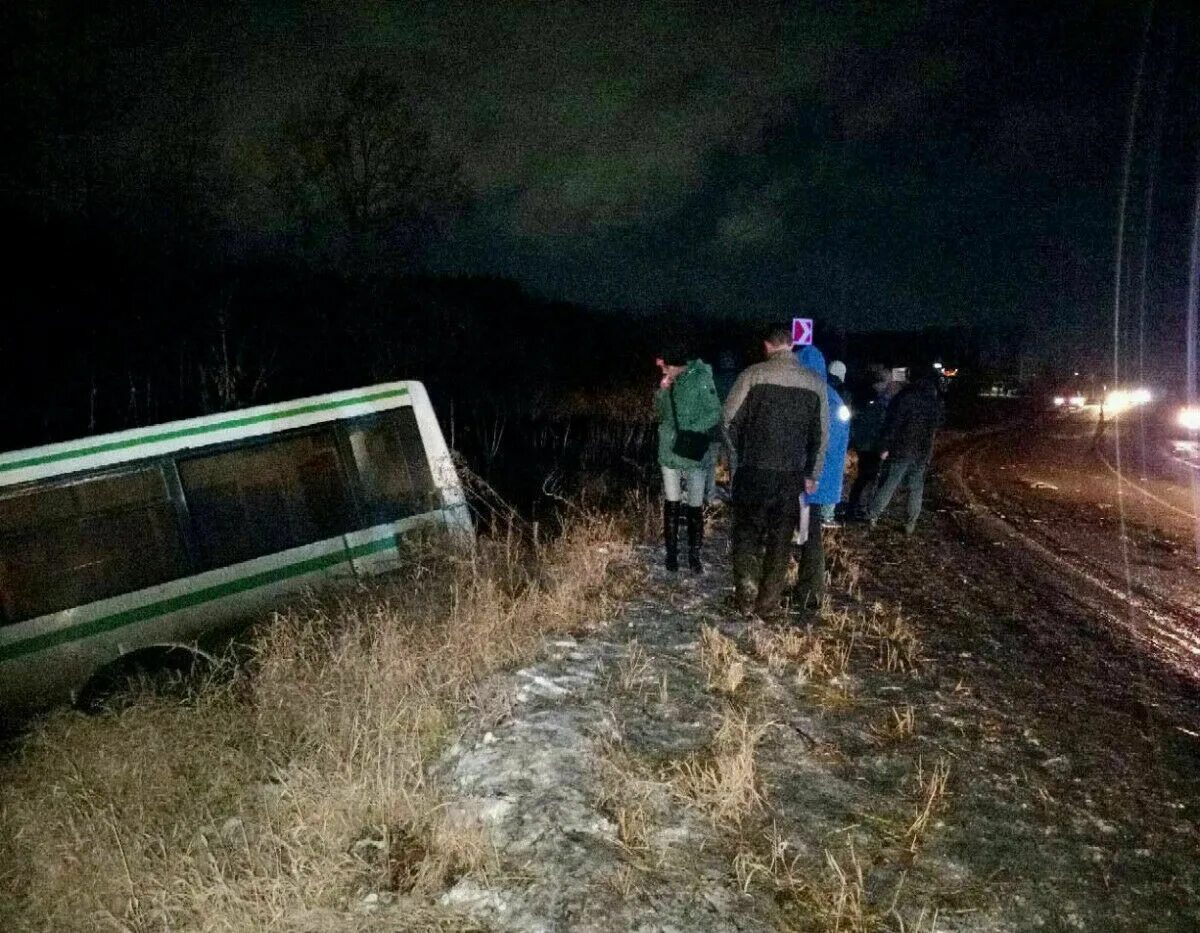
811 579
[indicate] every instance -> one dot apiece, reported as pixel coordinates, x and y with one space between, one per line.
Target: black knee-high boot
671 533
695 531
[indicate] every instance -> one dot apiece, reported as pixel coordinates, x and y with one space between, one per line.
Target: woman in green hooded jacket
686 401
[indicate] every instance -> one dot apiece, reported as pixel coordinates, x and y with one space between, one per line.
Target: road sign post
802 332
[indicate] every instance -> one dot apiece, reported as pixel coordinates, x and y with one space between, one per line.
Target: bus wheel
166 670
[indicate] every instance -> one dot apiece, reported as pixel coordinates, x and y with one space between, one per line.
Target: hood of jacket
812 358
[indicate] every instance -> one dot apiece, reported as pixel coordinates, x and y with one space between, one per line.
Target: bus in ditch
121 546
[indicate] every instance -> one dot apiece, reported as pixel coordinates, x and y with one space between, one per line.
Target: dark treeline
107 333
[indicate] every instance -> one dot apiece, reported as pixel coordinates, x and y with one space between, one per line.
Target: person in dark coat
810 577
777 423
907 446
725 373
866 434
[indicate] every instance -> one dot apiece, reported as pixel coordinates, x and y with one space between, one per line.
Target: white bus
122 545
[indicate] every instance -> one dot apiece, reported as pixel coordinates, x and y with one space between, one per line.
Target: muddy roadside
955 746
1048 481
1088 750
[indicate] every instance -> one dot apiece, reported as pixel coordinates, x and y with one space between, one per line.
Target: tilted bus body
162 536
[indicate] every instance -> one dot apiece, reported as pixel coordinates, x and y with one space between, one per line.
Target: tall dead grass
300 784
723 665
724 781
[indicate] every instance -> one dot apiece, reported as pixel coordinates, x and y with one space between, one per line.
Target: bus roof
102 450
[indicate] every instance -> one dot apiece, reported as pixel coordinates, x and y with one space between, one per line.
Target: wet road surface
1078 628
1121 543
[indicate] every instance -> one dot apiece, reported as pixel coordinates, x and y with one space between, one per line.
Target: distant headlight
1189 418
843 413
1059 400
1120 399
1078 401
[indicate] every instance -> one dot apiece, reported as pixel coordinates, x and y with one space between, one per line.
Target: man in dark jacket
907 445
866 433
777 422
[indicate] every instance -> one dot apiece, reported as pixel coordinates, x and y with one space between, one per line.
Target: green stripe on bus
190 600
199 429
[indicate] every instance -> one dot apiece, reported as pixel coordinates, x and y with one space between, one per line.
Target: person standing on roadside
907 446
829 490
776 421
1101 426
810 578
688 414
837 377
866 433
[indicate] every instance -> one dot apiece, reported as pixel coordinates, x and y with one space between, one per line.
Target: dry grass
625 881
823 655
300 785
813 655
723 783
830 894
633 826
627 797
723 664
846 906
931 795
633 667
856 887
841 901
888 633
899 725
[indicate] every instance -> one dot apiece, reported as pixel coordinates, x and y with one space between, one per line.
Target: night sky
882 165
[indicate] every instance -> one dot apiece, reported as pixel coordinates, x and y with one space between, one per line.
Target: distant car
1182 428
1168 424
1187 421
1069 400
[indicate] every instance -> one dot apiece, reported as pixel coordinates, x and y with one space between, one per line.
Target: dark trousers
766 511
868 473
810 580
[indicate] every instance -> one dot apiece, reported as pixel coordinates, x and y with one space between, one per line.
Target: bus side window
78 542
392 467
265 498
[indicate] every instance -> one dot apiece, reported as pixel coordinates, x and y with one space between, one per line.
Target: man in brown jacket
777 423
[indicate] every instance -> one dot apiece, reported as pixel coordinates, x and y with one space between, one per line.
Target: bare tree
358 171
229 377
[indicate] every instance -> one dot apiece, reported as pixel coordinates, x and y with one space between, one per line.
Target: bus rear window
257 500
392 466
72 544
